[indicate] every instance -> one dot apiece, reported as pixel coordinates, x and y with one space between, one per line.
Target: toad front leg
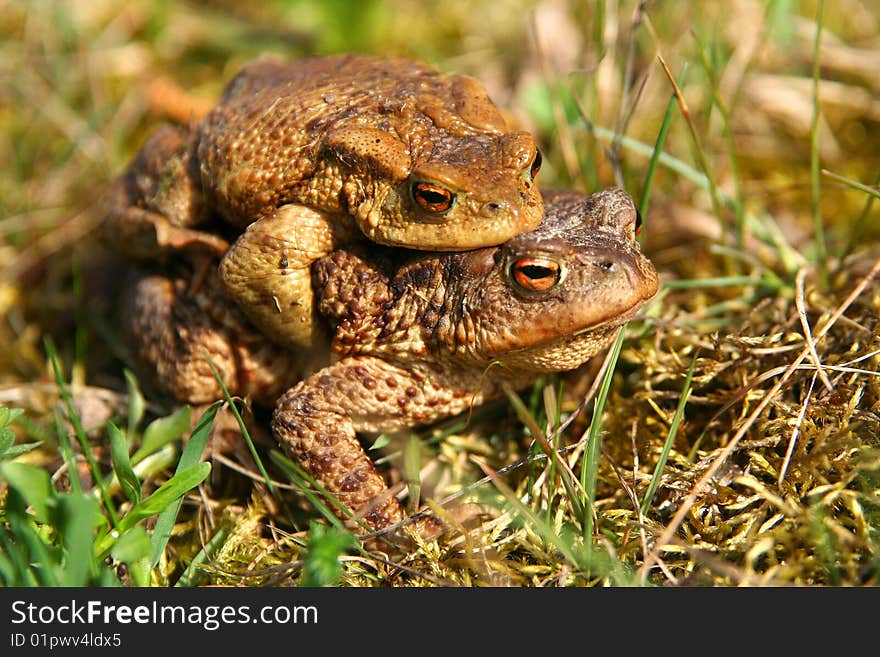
267 271
316 423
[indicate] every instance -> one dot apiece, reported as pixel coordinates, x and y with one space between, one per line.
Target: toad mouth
617 320
602 325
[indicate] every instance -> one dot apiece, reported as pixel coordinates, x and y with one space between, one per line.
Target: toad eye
638 222
536 164
536 274
432 198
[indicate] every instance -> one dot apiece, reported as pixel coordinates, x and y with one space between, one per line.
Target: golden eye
535 274
432 198
536 164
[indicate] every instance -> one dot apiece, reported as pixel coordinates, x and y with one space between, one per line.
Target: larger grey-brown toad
417 336
311 154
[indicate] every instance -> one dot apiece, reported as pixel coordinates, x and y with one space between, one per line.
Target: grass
57 533
735 441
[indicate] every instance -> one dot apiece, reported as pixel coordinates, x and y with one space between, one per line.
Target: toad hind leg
267 271
316 423
156 207
173 333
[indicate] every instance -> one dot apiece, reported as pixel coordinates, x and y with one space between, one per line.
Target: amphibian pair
413 333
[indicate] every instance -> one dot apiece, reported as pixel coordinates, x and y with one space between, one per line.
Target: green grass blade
171 490
66 450
590 463
412 462
307 486
80 433
18 450
658 147
35 563
529 421
192 452
32 483
670 437
162 431
854 184
858 226
715 282
163 496
128 480
244 430
136 403
77 517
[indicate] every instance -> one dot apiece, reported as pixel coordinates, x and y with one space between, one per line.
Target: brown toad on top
419 337
311 154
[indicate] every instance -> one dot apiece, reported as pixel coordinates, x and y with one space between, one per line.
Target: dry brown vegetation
770 268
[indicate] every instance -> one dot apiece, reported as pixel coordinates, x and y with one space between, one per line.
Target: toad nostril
495 208
606 265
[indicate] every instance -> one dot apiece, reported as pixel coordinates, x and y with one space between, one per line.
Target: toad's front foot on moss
459 518
322 441
316 423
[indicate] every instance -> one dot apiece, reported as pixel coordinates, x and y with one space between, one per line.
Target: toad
313 154
418 337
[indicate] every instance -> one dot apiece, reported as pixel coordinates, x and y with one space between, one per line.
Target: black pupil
638 220
432 197
536 272
536 164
